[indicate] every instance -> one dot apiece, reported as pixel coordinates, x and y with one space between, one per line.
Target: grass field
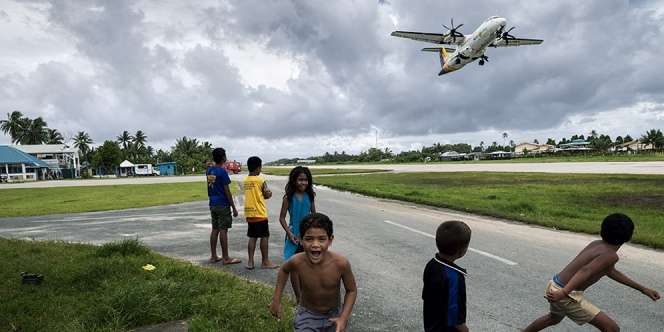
319 171
42 201
89 288
567 201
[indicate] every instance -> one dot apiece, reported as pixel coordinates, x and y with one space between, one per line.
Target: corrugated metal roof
10 155
46 148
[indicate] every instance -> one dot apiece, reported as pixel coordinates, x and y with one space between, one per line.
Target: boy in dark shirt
444 292
221 203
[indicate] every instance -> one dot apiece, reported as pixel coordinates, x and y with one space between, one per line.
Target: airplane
491 33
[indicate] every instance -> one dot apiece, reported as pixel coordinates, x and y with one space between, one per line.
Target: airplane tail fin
442 54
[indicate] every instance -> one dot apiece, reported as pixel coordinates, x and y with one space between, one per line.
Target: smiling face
315 242
302 182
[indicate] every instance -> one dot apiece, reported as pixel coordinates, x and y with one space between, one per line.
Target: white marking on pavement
477 251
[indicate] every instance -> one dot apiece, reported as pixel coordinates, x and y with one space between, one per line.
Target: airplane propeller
506 35
483 59
453 30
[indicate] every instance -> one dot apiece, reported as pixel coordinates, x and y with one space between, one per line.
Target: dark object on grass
31 278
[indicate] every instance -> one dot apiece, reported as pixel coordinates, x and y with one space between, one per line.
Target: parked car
233 166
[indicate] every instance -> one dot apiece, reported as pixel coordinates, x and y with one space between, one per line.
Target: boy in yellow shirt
255 210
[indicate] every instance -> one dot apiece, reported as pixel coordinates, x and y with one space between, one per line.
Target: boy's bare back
598 257
320 283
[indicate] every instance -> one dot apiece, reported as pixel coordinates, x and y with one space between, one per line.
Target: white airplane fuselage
474 45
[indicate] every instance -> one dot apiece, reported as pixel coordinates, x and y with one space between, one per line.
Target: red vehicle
233 166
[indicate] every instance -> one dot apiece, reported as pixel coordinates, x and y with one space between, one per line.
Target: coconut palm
14 125
82 142
35 131
53 136
505 136
125 139
653 137
140 139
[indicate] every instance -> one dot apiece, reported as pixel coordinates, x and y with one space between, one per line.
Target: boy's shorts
575 306
221 217
309 320
258 229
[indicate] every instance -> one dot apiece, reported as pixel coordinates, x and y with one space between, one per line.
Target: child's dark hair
253 163
291 185
219 155
452 237
617 229
316 220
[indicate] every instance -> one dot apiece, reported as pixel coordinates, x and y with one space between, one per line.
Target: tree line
597 142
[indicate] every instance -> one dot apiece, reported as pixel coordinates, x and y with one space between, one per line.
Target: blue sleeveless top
297 209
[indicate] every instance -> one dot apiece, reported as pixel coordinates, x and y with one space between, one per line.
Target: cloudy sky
298 78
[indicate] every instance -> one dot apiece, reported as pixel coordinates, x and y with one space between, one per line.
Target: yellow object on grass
149 267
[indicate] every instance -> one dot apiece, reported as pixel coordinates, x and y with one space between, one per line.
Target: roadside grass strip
576 202
121 286
319 171
43 201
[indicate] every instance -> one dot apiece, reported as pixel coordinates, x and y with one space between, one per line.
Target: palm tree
653 137
125 139
82 142
505 136
140 139
35 131
53 136
14 125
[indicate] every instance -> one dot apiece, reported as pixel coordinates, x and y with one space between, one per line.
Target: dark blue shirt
217 178
444 296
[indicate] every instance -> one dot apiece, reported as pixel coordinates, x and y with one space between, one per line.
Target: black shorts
258 229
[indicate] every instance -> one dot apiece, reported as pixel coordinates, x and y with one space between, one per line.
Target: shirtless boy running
321 273
597 259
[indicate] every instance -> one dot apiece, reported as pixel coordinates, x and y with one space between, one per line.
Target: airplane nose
501 21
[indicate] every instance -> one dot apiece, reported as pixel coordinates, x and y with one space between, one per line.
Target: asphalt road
388 244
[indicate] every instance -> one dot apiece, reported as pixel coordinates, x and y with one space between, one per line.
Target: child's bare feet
269 265
229 261
249 266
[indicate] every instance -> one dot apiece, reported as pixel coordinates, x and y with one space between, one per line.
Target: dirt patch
642 200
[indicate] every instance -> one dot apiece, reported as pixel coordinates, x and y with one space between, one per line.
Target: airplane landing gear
481 62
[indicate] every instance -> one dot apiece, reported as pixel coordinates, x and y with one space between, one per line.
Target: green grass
319 171
89 288
42 201
567 201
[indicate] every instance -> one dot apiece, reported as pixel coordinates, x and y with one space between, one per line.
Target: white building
63 161
16 165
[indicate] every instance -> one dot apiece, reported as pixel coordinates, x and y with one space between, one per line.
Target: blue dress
297 209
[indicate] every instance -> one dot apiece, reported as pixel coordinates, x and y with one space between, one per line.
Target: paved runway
388 243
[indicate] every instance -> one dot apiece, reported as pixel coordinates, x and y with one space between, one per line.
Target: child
597 259
444 292
298 202
221 203
255 194
321 273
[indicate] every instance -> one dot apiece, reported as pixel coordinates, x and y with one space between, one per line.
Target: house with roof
16 166
575 145
634 146
63 161
533 148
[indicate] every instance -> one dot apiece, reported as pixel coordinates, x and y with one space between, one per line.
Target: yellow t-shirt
254 202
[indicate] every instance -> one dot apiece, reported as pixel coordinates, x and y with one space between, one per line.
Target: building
63 161
501 155
126 168
533 148
16 165
635 146
306 161
575 145
167 168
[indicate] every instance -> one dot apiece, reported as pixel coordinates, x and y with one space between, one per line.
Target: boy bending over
597 259
321 273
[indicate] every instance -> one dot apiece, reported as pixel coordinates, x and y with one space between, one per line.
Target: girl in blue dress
298 202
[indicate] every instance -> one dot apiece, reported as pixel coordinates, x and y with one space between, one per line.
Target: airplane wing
436 38
499 42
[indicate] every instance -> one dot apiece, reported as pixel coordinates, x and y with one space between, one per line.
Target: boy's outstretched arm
625 280
282 276
349 299
227 192
596 266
